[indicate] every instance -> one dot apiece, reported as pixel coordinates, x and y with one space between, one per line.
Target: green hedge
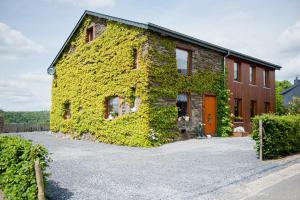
281 136
17 175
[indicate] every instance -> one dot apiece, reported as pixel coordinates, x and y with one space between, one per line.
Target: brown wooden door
210 114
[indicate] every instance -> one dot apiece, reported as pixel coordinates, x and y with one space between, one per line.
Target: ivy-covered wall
207 78
89 73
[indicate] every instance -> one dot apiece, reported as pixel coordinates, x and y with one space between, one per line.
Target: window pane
251 74
236 71
182 105
237 107
266 78
252 108
267 107
182 61
113 105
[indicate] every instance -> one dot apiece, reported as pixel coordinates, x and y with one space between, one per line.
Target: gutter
224 62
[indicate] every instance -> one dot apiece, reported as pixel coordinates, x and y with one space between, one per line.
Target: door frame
203 109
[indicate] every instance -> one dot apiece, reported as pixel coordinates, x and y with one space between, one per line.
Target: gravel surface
192 169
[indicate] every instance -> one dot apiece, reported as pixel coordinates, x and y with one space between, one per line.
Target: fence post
39 180
260 140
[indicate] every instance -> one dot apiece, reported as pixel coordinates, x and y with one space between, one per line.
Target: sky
33 31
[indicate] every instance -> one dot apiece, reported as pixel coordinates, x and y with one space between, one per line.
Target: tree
280 86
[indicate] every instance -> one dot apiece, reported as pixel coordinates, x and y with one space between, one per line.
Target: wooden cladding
255 87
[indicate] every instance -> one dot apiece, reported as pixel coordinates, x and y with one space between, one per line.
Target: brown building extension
252 89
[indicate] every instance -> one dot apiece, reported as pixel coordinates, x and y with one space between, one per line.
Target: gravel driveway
192 169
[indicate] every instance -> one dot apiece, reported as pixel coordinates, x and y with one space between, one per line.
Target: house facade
140 84
252 87
290 93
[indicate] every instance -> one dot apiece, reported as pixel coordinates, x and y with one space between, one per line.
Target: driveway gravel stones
192 169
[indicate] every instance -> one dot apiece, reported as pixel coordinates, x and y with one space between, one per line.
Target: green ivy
17 175
102 68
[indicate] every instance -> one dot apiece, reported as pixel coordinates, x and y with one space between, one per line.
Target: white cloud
30 91
88 4
14 44
290 38
290 69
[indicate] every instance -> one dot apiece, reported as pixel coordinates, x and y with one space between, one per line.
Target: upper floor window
252 75
90 33
112 107
253 108
183 105
266 78
236 71
183 59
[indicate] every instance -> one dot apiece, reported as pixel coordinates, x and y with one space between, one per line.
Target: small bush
294 106
17 175
281 136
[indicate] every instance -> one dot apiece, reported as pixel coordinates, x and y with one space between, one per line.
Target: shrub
294 106
17 175
281 135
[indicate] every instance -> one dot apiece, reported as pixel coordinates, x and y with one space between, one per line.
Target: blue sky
33 31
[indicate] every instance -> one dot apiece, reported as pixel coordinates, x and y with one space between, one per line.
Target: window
183 105
253 108
183 58
267 107
112 107
67 110
135 59
266 78
237 108
90 34
236 72
252 75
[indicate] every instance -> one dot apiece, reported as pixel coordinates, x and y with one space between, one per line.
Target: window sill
265 87
254 85
237 82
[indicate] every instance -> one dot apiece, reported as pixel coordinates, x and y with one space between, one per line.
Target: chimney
297 80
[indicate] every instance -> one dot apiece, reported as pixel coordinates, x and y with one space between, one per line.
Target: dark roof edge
290 88
167 32
217 48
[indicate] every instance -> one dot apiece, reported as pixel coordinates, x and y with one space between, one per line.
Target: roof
290 88
170 33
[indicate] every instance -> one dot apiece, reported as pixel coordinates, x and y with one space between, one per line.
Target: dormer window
90 33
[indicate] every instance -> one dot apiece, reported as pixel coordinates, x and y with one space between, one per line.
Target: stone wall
202 59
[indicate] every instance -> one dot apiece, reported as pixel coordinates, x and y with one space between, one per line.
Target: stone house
139 84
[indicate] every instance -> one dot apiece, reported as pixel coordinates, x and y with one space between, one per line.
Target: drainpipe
228 53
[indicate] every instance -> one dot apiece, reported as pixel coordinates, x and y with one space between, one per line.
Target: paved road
288 190
193 169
